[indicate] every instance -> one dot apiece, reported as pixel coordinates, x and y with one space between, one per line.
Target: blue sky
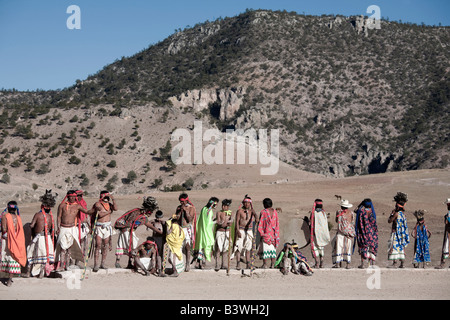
38 51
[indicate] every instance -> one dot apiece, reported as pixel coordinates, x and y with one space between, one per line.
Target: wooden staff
166 254
253 257
86 257
230 244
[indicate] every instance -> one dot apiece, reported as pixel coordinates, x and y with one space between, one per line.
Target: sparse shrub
74 160
112 164
102 175
5 178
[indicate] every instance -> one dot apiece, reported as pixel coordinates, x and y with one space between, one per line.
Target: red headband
246 200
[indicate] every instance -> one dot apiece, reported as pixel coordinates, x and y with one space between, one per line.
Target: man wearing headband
128 223
400 235
291 256
223 223
186 216
204 238
320 235
245 217
40 251
145 256
103 230
14 255
445 244
366 232
68 245
269 229
83 222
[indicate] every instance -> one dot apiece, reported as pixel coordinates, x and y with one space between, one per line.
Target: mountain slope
347 99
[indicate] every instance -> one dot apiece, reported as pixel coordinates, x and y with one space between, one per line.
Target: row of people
360 227
80 233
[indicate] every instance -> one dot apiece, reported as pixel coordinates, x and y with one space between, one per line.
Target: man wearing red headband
68 245
186 217
145 256
245 217
103 230
83 222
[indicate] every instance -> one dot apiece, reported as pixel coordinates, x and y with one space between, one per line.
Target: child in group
421 244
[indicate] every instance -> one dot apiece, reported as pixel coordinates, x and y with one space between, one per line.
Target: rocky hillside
347 99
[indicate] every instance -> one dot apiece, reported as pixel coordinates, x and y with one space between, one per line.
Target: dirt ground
426 189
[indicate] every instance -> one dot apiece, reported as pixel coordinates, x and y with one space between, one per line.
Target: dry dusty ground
426 190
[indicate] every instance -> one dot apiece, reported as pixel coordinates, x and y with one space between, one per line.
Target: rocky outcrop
373 161
361 25
183 40
366 161
222 103
252 118
335 22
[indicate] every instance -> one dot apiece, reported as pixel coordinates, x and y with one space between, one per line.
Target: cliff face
346 98
219 103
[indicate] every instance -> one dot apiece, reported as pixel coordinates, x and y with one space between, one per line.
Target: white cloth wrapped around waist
104 229
103 224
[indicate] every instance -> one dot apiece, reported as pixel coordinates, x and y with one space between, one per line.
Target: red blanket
269 227
16 240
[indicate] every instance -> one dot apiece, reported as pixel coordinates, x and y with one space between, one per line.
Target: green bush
74 160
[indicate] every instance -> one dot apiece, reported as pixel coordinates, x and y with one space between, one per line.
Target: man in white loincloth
145 256
224 221
186 217
40 252
103 230
245 217
68 245
127 224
